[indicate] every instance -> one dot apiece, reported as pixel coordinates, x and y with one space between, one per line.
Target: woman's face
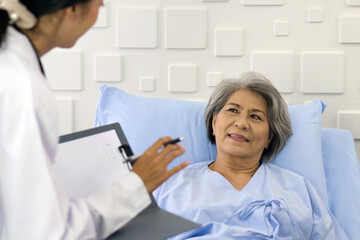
241 128
90 14
83 19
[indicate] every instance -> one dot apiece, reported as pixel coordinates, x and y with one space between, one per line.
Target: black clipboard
80 172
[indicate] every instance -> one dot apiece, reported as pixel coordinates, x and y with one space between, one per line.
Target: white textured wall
310 49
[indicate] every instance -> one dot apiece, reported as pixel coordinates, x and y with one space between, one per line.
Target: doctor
32 203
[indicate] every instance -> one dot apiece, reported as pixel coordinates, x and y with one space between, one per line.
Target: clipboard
90 160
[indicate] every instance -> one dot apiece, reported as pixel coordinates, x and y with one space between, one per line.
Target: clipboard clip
124 148
125 151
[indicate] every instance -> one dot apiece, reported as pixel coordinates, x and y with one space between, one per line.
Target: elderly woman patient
241 195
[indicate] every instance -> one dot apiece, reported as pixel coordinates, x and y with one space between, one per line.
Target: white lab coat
33 205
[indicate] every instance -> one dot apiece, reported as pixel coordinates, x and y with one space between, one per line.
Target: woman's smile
238 137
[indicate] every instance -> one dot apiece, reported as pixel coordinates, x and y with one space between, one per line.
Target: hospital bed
325 156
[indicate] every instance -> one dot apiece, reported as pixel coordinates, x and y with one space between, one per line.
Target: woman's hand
152 165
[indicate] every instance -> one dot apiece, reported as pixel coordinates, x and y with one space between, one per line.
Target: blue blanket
275 204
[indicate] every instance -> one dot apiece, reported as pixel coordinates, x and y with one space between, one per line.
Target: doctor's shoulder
15 80
14 71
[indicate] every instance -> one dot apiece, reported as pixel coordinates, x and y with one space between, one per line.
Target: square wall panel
322 72
147 84
183 78
213 78
262 2
108 68
65 115
185 28
278 67
229 42
137 27
281 28
353 2
349 120
315 14
349 29
101 21
63 69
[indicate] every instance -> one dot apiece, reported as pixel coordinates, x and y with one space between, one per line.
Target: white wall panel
349 120
213 78
84 109
315 14
281 28
137 27
183 78
147 84
229 42
278 67
65 115
185 28
322 72
108 68
349 28
63 69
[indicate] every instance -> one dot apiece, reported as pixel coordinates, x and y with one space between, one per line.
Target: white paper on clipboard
89 164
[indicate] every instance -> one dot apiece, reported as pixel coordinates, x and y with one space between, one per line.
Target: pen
176 140
133 158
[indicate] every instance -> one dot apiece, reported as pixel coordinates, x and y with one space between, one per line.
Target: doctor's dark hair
38 8
278 116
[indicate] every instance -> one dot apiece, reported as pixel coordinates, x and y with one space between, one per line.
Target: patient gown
275 204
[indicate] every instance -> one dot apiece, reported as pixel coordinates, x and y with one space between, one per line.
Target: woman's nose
242 122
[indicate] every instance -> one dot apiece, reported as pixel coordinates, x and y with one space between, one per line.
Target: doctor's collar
38 58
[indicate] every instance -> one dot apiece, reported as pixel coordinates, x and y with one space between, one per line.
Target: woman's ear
213 122
73 12
70 13
269 140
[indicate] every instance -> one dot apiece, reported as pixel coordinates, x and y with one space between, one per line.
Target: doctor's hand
152 165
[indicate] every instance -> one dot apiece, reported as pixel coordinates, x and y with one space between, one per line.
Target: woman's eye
232 110
255 117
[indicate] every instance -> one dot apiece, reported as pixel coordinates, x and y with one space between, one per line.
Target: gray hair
278 116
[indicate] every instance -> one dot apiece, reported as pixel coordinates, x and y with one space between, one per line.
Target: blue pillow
302 153
145 119
342 171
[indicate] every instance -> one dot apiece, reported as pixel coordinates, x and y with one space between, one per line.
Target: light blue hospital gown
275 204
